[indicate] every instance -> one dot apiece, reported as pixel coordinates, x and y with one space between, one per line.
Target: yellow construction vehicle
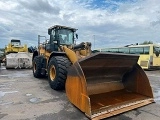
15 46
99 84
17 55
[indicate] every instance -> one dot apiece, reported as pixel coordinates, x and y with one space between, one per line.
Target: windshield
15 43
66 36
139 50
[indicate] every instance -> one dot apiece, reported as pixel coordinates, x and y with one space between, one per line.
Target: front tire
37 67
57 72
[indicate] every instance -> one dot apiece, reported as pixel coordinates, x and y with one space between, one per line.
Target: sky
104 23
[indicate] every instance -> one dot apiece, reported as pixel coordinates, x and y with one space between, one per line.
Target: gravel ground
23 97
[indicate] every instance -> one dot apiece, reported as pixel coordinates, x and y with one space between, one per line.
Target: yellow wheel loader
17 55
99 84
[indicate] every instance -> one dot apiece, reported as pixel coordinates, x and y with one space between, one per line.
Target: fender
56 54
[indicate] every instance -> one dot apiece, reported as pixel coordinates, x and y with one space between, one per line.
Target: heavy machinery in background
1 56
99 84
17 55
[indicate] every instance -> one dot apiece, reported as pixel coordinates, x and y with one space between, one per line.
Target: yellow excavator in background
99 84
17 55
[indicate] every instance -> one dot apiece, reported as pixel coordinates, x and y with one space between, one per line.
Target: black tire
57 72
37 66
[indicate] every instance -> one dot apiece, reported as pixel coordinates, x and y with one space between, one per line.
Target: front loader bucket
106 84
19 60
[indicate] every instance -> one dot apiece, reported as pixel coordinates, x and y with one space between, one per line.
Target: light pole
39 36
94 40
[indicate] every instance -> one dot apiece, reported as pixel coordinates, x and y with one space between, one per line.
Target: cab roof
60 26
15 40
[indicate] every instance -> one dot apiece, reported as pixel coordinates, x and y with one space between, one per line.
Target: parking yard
23 97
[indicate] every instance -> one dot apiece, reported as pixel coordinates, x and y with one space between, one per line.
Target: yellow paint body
15 49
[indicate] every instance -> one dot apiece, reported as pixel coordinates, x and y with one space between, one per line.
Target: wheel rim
34 67
52 72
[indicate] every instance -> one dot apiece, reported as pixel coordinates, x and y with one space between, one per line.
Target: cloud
40 6
7 5
113 22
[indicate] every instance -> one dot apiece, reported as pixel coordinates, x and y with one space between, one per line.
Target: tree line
146 42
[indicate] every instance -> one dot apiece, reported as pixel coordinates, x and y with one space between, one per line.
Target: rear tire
37 66
57 72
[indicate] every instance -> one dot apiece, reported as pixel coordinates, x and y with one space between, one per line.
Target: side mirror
49 31
157 53
77 36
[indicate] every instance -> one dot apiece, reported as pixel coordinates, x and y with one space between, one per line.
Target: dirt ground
23 97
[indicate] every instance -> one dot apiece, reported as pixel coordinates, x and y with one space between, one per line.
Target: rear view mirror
157 53
77 36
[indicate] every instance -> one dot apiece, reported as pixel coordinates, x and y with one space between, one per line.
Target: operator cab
61 35
15 42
